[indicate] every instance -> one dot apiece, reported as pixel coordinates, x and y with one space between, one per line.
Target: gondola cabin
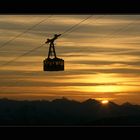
52 63
55 64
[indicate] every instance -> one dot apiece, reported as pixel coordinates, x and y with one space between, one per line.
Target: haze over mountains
67 112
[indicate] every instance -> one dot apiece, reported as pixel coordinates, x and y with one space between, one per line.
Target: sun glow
104 101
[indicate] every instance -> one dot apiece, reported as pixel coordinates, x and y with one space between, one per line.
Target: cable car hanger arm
53 39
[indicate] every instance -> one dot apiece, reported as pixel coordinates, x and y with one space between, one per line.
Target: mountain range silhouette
68 112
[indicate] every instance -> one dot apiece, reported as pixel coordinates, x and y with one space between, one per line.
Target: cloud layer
102 57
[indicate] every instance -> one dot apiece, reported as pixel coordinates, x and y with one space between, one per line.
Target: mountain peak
127 104
64 100
91 101
113 104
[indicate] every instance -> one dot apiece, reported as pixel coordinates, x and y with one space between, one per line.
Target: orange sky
102 58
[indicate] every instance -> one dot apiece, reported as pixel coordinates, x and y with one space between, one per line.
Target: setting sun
105 102
95 67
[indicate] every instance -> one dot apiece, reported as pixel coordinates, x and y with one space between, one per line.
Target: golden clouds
102 57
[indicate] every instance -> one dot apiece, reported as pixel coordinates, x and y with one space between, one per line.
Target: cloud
103 44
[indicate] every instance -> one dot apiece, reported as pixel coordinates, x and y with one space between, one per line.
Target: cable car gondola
52 63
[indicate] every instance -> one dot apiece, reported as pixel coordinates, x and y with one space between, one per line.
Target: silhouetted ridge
113 104
91 102
64 100
67 112
127 104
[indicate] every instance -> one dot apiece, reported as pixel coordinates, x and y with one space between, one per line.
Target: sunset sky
102 57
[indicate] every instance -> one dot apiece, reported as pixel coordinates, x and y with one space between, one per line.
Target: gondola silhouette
52 62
